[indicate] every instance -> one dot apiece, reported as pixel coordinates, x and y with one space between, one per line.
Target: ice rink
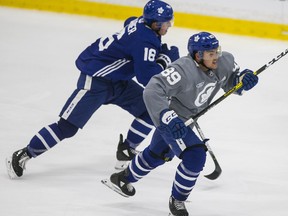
248 134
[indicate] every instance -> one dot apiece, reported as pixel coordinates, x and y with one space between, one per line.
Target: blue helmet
157 11
201 42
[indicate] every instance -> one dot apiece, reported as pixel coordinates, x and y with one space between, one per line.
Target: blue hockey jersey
132 52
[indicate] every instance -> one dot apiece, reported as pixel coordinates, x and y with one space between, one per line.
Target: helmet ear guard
157 11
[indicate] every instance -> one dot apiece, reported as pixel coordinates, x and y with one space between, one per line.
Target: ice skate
16 164
124 154
119 184
177 208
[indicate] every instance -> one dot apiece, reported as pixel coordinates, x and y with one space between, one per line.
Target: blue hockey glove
248 78
172 124
166 56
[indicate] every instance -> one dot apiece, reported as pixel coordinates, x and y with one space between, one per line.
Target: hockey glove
172 124
248 78
166 56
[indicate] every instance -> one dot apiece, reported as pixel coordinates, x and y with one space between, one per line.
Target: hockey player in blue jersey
107 67
185 88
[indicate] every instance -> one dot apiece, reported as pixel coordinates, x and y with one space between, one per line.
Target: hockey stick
217 171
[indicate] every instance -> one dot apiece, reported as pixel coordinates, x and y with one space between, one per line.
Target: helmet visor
166 24
212 54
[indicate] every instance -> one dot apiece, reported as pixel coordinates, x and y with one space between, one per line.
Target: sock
45 139
139 130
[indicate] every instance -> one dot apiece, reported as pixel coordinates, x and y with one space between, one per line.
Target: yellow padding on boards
232 26
75 7
194 21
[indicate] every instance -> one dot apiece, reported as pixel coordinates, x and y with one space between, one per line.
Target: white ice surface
248 134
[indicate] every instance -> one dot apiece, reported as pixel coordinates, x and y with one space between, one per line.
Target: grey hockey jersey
186 89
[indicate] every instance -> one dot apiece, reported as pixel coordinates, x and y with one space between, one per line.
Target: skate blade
121 165
113 187
10 171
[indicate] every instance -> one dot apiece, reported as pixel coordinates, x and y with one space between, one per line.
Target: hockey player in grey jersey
171 97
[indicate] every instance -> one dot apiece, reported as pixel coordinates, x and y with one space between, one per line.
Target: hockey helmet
157 11
203 41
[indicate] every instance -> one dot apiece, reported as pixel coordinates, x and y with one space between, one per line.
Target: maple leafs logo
160 10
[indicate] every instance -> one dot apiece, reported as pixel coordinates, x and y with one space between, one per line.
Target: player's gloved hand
166 55
248 78
172 124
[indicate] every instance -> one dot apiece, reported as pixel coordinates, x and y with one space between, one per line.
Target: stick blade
215 174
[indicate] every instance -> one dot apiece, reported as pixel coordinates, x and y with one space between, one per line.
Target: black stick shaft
217 170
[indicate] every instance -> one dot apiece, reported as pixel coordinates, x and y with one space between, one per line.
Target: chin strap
202 63
155 30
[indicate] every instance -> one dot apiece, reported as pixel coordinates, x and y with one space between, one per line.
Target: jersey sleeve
160 89
231 67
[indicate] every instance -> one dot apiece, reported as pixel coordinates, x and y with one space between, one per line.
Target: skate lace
179 205
134 151
23 160
129 187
